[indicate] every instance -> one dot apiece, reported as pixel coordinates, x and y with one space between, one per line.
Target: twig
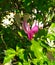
3 41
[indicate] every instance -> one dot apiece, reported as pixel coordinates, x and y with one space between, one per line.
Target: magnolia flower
39 24
30 31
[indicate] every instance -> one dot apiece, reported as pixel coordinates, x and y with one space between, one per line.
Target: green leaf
52 25
35 61
20 52
20 33
51 62
10 53
37 49
26 63
19 63
8 58
23 0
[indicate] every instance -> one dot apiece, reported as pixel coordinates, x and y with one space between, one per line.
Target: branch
3 41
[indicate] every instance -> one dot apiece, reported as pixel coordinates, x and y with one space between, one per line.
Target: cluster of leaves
14 44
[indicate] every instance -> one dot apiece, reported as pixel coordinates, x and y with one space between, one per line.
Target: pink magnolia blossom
30 31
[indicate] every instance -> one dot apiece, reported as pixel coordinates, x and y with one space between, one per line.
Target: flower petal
35 29
35 23
26 27
30 35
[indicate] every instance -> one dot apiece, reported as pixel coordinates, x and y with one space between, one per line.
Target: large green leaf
37 49
10 53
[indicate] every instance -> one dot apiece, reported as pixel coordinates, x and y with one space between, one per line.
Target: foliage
15 47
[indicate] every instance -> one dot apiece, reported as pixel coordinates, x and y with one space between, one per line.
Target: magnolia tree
27 32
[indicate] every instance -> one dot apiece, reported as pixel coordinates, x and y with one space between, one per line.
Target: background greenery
14 44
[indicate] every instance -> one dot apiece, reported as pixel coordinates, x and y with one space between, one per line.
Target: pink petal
28 31
35 29
30 35
32 32
26 27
